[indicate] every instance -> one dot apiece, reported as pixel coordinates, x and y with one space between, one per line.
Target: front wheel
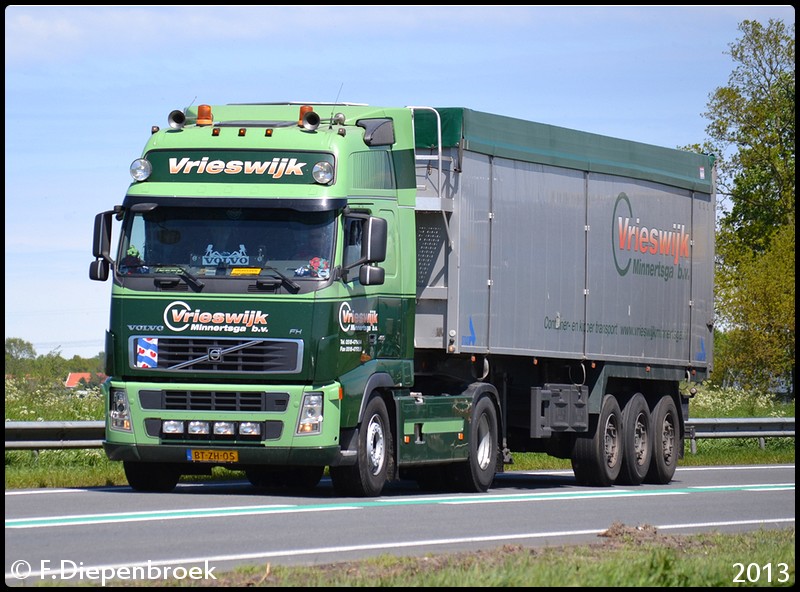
367 477
477 474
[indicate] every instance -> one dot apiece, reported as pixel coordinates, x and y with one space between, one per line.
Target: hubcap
484 449
611 442
640 440
668 439
376 445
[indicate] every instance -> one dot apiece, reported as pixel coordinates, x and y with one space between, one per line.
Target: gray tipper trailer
570 276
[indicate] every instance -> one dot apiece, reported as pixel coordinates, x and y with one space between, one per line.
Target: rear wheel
665 430
367 477
477 474
597 458
636 445
151 477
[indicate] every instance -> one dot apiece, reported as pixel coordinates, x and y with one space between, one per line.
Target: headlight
141 169
119 412
322 173
310 421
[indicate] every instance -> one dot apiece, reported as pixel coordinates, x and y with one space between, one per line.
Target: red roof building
74 379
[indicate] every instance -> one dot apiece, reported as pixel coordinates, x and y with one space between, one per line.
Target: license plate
227 456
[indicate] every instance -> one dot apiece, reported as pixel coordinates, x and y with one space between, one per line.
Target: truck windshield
227 242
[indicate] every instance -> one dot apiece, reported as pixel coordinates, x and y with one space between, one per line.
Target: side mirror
378 131
101 247
98 270
371 275
373 242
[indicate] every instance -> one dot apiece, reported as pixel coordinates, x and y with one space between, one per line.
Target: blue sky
83 86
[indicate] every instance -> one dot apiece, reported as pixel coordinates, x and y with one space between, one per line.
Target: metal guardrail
739 427
43 435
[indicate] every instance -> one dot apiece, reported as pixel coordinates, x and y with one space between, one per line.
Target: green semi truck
402 293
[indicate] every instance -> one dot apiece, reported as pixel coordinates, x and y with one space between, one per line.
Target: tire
151 477
367 477
665 430
291 478
637 448
597 458
477 474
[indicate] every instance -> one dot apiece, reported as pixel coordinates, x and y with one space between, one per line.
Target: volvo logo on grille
215 354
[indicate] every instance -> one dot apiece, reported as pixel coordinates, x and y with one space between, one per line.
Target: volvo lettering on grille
264 356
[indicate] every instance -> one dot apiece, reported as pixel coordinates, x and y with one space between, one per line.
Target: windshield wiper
285 279
193 282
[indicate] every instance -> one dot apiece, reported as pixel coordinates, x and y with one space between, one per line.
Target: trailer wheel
597 458
369 474
477 474
151 477
666 433
636 445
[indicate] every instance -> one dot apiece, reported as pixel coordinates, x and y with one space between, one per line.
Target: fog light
249 428
198 427
171 426
224 428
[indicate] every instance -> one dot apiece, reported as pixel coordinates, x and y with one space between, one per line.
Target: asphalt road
200 530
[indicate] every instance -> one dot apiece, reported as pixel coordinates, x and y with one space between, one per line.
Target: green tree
51 368
752 122
20 355
759 348
752 126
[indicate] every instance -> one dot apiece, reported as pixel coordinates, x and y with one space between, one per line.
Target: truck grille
265 356
188 400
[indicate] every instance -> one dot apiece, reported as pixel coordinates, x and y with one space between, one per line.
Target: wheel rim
611 441
667 439
641 440
376 445
483 453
